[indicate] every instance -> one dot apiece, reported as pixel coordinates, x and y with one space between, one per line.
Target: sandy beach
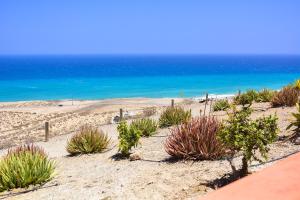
98 176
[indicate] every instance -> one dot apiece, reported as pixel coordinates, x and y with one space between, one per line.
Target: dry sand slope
154 177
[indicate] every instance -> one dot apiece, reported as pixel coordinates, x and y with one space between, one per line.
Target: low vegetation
265 95
174 116
221 105
128 137
246 98
295 124
196 139
147 126
287 96
240 133
251 96
88 140
24 166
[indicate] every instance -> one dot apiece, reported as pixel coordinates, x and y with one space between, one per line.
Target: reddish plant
29 148
287 96
196 139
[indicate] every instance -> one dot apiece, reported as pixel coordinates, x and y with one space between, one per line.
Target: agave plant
246 98
221 104
265 95
88 140
295 123
297 84
174 116
24 166
147 126
287 96
196 139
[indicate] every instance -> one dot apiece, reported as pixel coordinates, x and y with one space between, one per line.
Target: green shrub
287 96
196 139
128 137
146 126
240 133
88 140
246 98
265 95
296 124
221 104
24 166
174 116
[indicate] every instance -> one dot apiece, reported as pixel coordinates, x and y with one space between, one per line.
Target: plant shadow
119 157
13 194
224 180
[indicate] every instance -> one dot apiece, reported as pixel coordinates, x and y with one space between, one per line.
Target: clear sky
149 27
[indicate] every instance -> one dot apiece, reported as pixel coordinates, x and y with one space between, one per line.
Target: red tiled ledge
280 181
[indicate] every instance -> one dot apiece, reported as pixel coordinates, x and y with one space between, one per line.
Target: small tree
128 137
240 133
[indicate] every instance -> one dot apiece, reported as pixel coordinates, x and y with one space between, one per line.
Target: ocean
122 76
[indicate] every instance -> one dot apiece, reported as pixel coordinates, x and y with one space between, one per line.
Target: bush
128 138
246 98
221 104
88 140
287 96
265 95
296 124
24 166
196 139
146 126
174 116
240 133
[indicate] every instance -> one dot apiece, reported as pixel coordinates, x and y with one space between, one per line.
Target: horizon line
154 54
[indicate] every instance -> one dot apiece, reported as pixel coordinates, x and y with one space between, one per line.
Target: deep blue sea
100 77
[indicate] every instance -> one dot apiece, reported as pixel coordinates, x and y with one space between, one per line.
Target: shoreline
195 98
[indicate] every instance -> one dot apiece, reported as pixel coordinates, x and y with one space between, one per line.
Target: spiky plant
196 139
296 124
128 138
265 95
297 84
246 98
221 104
287 96
147 126
88 140
24 166
174 116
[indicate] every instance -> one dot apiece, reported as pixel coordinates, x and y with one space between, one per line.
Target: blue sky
149 27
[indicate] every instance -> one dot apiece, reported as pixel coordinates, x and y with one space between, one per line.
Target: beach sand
98 176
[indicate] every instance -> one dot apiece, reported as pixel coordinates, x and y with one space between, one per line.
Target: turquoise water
99 77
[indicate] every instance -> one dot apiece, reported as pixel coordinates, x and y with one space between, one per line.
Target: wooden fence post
172 103
206 101
46 131
121 114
